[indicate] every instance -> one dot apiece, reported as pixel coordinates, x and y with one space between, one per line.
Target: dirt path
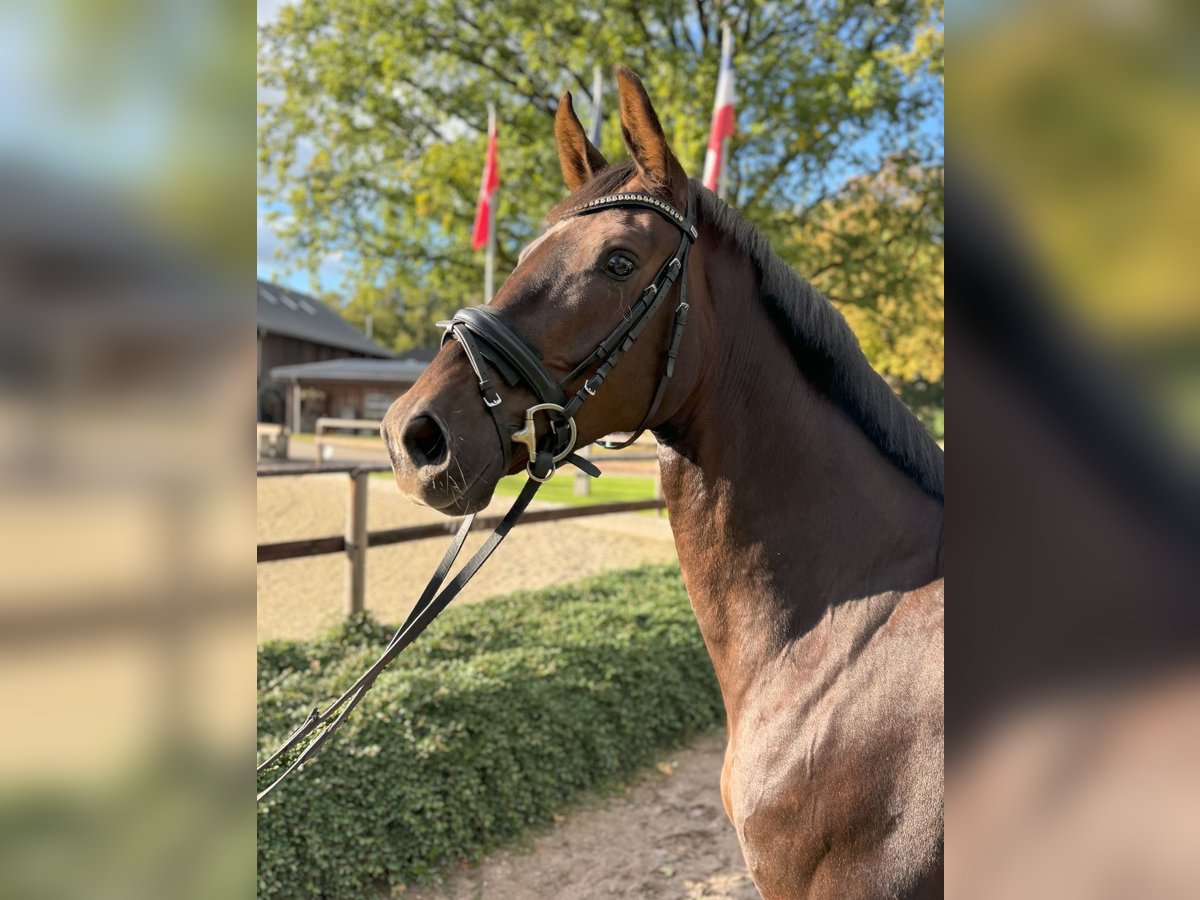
664 836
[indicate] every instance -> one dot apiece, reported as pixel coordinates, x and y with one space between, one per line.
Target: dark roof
292 314
397 371
420 354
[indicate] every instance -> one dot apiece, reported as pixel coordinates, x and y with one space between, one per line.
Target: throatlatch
492 344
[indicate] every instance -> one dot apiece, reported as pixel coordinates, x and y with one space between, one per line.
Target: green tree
877 250
372 129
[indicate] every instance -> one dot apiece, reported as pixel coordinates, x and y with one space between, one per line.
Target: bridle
491 343
488 338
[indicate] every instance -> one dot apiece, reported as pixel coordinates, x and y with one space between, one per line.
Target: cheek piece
493 345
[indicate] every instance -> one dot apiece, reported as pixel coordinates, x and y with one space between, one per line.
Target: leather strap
507 346
645 201
623 337
502 339
487 338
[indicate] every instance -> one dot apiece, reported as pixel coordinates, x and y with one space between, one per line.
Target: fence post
356 542
319 443
583 481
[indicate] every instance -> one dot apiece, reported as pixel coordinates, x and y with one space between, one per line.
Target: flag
487 189
723 115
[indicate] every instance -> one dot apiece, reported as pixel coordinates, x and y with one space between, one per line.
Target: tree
877 250
887 273
373 129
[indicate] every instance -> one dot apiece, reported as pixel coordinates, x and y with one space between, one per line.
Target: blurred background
126 511
1071 660
126 591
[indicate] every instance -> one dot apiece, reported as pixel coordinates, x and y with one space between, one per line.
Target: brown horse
806 502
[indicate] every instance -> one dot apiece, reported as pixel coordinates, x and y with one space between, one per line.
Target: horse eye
620 265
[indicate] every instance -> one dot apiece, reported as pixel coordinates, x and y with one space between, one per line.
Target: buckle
486 389
538 478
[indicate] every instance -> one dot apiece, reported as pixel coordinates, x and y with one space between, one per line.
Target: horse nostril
425 441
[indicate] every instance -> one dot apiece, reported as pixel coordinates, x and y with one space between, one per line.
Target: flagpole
489 266
726 53
597 92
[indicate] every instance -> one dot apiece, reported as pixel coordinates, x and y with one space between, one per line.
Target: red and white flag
488 185
723 116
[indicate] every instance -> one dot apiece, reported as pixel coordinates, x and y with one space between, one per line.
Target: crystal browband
635 199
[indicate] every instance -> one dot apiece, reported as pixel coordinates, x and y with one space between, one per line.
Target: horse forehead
539 240
594 229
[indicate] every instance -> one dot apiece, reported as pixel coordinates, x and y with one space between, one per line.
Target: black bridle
491 343
487 337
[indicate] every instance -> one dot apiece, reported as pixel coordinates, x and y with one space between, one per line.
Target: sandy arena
302 598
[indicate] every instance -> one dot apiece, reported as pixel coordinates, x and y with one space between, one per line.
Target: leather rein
492 345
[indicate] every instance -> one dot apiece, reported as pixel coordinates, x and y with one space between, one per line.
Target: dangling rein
487 338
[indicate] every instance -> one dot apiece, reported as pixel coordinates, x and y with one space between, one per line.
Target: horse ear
578 158
645 139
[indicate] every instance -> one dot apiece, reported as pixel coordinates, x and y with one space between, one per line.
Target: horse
806 500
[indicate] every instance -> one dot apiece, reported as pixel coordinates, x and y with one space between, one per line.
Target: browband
646 201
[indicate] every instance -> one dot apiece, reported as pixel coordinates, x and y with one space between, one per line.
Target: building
349 388
294 330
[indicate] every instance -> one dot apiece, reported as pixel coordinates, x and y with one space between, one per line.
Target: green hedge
495 718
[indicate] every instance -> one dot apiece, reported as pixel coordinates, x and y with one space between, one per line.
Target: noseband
491 343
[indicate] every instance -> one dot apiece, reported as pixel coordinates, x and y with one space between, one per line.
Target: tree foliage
877 250
372 133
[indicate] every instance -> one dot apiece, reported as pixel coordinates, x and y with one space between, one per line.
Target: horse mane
822 343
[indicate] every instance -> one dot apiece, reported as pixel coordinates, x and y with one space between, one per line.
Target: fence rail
357 539
278 550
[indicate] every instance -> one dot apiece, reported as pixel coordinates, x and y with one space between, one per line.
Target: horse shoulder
845 752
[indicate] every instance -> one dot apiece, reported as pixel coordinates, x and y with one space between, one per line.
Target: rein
491 345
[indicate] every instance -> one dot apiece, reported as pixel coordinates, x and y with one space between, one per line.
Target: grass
561 488
605 489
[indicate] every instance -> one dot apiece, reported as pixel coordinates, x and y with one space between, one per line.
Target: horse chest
784 765
830 786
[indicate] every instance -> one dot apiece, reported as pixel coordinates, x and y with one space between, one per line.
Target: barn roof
292 314
396 371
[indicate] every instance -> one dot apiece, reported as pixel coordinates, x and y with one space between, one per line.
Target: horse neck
784 511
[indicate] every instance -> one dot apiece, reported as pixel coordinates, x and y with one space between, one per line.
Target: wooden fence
356 539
